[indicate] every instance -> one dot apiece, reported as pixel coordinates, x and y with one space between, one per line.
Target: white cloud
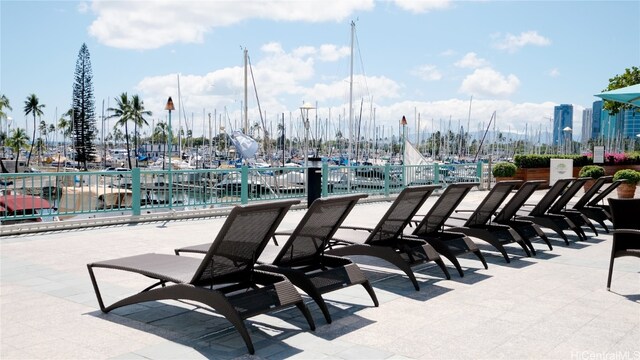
512 43
554 72
364 86
330 52
279 77
471 61
488 82
422 6
428 72
153 24
304 51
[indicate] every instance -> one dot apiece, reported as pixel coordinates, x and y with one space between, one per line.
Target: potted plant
592 171
628 188
503 171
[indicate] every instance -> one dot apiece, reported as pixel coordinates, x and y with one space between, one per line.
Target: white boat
78 199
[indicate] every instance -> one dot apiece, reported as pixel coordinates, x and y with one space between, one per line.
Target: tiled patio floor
554 305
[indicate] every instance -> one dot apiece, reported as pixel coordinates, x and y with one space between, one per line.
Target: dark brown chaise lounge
225 279
526 229
555 222
302 259
386 241
591 206
626 231
430 227
576 217
479 224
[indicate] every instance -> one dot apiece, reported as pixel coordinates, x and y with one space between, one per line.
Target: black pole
284 140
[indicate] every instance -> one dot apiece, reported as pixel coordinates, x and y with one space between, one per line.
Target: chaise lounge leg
542 235
590 224
444 268
372 294
307 314
474 249
386 254
443 249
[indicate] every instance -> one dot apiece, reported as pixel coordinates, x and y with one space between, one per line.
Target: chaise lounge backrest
552 194
510 210
442 209
396 219
490 204
605 192
240 241
321 221
571 191
584 199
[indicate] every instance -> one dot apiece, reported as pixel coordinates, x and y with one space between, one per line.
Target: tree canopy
628 78
83 106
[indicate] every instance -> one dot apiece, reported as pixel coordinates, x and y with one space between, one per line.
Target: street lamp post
169 107
403 122
304 110
567 139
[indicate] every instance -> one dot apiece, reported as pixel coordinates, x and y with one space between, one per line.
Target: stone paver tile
170 350
363 352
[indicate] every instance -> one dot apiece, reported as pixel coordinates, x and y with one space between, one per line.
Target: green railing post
135 187
436 173
325 179
479 169
244 185
387 178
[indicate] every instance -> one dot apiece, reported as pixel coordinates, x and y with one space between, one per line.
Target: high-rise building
562 118
587 128
596 122
631 124
612 125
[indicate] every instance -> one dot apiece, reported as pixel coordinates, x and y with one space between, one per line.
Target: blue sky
426 58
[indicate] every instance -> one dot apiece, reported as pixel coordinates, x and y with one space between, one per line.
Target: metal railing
77 195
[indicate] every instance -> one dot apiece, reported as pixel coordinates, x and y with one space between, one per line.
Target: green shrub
632 176
544 161
504 169
592 171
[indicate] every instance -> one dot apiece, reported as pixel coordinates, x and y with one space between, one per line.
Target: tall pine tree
83 114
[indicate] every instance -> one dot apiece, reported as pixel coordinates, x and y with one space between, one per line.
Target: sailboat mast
245 112
353 29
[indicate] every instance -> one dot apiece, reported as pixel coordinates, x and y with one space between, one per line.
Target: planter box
543 173
534 174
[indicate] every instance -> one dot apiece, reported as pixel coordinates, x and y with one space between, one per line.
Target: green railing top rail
78 194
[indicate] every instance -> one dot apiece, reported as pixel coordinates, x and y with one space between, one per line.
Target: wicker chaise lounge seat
526 229
576 217
480 226
430 227
539 215
225 279
590 204
386 241
302 259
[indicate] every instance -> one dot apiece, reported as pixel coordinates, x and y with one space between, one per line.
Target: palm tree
137 116
17 141
66 128
123 113
4 103
32 106
51 130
